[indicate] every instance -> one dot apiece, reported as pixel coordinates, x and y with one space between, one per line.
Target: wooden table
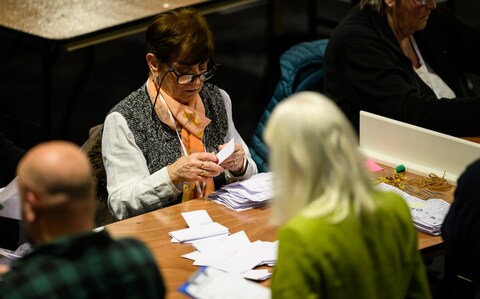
430 246
152 228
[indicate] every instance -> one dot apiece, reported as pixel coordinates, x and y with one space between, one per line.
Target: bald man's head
57 167
57 189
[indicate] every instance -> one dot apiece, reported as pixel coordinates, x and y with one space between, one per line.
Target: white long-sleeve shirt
132 190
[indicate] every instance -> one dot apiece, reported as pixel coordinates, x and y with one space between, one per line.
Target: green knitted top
373 258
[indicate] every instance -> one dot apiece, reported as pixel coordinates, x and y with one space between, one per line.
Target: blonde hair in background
313 155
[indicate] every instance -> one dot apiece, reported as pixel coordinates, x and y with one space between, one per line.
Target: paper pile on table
251 193
428 215
210 283
233 253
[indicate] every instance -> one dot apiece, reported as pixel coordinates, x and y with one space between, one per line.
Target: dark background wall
248 47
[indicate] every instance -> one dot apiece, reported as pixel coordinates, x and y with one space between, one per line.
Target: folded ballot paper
231 253
247 194
427 215
200 226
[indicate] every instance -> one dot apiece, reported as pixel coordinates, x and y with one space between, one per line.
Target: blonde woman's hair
313 155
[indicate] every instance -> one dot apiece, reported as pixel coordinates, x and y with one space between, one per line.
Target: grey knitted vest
158 142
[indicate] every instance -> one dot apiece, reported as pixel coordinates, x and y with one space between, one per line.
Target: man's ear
390 3
31 207
152 62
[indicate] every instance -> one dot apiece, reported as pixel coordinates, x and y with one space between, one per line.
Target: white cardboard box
420 150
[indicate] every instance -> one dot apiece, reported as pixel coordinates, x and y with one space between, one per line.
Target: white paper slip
267 250
243 259
196 218
210 283
199 232
206 243
224 250
192 255
206 240
260 274
226 151
10 203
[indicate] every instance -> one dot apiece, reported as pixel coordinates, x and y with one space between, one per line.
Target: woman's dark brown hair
182 36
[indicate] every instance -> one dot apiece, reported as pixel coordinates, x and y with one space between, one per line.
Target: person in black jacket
461 234
404 59
10 155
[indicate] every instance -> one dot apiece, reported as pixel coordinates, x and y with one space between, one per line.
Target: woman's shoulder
133 100
382 198
389 203
305 228
356 25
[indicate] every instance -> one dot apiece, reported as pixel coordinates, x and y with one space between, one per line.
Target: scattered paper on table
211 283
215 248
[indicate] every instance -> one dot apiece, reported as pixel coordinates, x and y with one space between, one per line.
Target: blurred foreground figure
69 260
340 238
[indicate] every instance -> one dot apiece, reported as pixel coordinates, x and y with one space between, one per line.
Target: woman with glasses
406 60
159 143
339 237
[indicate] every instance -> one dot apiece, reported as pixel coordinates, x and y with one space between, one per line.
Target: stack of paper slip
427 215
247 194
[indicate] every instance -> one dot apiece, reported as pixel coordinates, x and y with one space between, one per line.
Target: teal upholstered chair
301 69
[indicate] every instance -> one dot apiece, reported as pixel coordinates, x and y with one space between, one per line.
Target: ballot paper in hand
226 151
211 283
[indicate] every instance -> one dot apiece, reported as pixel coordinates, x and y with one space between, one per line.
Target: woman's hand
194 167
234 162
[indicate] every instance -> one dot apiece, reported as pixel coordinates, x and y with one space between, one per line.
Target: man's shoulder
103 260
116 250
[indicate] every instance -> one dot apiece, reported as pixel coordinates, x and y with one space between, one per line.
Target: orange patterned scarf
193 122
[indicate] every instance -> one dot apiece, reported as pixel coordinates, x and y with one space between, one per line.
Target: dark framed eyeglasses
183 79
